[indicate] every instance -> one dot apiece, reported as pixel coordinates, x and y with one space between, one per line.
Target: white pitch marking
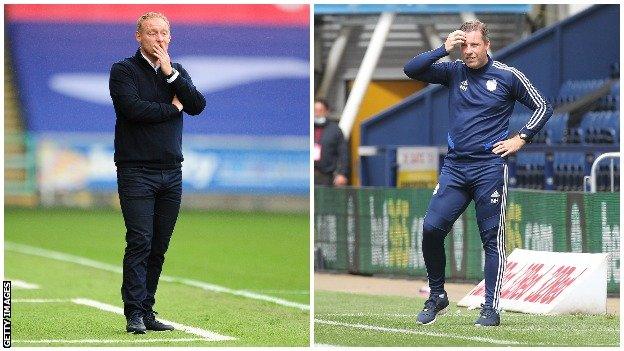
244 293
35 251
594 329
416 332
285 292
20 284
359 314
185 328
103 341
40 300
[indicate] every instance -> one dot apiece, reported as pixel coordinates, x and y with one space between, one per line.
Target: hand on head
457 37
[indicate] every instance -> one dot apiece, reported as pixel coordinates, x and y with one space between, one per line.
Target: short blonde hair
476 25
151 15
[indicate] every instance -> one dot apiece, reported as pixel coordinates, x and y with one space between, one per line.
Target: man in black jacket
149 94
331 160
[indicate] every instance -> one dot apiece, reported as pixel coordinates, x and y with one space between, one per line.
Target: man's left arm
523 91
192 100
530 97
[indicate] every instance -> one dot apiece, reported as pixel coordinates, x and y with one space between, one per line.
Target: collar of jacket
142 61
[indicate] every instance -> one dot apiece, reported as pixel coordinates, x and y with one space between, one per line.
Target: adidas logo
494 197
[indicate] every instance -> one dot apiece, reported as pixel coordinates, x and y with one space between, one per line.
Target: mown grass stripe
60 256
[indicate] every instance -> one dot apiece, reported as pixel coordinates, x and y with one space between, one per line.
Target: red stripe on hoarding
561 279
285 14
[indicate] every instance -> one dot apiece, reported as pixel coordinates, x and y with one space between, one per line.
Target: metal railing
591 178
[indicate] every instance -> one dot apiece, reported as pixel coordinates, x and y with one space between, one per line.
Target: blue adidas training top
480 102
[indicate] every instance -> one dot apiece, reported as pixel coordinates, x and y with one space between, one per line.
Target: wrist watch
173 71
525 137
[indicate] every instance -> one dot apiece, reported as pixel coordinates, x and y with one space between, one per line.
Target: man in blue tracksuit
482 93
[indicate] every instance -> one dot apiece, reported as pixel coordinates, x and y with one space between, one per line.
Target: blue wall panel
592 45
255 79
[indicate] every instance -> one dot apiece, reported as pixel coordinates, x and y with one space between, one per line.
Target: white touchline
185 328
416 332
103 341
284 291
60 256
361 314
20 284
244 293
40 300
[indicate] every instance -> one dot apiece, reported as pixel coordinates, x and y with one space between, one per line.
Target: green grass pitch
262 253
366 320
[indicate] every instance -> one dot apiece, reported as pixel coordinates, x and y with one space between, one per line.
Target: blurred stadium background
247 150
398 138
243 231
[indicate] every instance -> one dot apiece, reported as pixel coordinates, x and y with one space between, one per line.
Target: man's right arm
127 100
424 67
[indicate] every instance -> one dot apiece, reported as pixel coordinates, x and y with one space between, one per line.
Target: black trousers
150 203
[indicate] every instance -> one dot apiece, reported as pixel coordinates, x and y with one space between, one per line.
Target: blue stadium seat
608 102
587 126
612 100
601 127
556 129
569 170
530 170
611 127
572 90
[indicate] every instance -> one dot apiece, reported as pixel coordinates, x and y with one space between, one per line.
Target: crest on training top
463 85
491 84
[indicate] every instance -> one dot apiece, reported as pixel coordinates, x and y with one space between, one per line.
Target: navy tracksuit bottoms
150 202
460 183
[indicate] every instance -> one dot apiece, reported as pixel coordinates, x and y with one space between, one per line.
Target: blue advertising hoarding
224 165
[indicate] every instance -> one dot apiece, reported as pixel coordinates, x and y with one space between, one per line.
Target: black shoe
152 324
489 317
135 324
434 306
